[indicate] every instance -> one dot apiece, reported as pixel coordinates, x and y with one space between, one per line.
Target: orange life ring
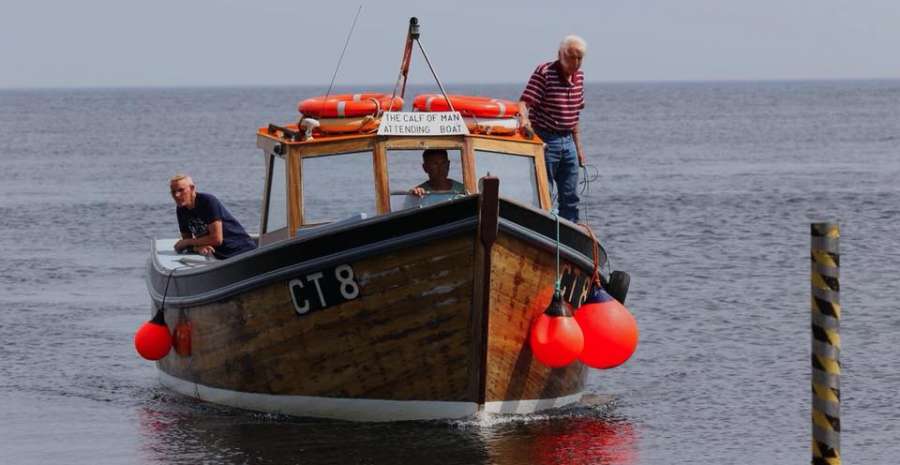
363 124
467 105
349 105
492 126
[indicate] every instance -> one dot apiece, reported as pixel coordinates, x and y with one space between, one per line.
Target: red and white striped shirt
553 102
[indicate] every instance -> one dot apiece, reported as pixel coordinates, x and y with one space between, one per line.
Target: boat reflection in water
568 440
182 431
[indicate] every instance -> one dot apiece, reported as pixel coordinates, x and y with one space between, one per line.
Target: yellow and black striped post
826 345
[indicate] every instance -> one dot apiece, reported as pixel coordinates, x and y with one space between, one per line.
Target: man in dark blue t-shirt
206 225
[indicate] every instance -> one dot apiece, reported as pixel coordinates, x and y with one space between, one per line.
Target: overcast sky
101 43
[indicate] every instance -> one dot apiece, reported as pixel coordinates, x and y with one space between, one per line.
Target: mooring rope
595 249
586 180
558 277
166 291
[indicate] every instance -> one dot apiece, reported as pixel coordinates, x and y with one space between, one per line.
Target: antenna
341 59
413 36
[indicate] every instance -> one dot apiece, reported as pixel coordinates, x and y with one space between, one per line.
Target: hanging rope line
595 246
589 174
341 59
166 291
558 277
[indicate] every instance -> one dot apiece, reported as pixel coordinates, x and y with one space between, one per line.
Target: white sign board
415 123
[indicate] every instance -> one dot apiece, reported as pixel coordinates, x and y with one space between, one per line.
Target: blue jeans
562 169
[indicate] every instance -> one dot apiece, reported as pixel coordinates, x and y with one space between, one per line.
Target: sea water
704 194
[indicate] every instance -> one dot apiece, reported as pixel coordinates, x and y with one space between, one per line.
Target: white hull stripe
354 409
530 405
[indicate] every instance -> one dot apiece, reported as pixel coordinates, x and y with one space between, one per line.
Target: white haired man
206 225
551 105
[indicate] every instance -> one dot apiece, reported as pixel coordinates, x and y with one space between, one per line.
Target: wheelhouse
332 178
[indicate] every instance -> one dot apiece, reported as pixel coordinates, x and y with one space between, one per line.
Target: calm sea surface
705 195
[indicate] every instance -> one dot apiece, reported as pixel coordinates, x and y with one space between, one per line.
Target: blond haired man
206 226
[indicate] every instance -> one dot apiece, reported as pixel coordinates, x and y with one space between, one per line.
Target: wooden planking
407 338
421 143
504 145
522 282
468 167
294 191
542 179
488 227
477 345
329 148
516 137
382 189
331 145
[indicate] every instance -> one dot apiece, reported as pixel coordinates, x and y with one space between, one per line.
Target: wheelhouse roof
329 144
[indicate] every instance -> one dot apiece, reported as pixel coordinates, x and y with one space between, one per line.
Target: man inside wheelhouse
439 187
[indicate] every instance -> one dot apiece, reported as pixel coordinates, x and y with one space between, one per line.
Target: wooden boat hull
437 325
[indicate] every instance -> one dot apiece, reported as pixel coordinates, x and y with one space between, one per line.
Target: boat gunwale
325 261
311 236
157 273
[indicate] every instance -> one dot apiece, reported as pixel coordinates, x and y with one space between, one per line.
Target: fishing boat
357 306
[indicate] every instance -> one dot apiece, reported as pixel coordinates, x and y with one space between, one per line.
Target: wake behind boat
362 308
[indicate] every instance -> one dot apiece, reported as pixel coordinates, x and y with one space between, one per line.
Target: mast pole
411 36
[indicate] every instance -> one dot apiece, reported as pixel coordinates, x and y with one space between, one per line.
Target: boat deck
169 259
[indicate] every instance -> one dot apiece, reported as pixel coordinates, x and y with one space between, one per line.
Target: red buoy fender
349 105
467 105
152 340
610 331
555 338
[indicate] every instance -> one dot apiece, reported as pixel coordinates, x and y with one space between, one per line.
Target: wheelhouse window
276 211
336 187
407 172
516 173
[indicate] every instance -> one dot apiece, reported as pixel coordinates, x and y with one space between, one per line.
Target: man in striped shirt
550 105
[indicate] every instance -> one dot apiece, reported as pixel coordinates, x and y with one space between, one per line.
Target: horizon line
455 84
